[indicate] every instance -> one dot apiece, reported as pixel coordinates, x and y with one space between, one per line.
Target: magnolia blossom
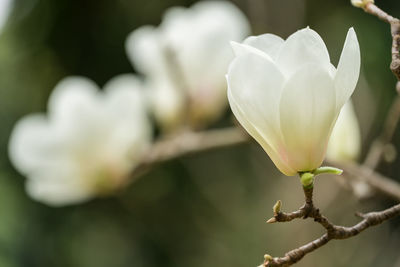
86 145
288 95
345 142
185 60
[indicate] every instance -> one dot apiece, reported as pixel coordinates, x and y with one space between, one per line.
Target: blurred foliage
204 210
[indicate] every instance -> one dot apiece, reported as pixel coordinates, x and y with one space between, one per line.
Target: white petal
226 14
6 7
348 69
167 104
126 110
57 188
145 48
125 96
302 47
34 145
345 141
279 162
241 49
73 97
199 38
268 43
255 84
307 110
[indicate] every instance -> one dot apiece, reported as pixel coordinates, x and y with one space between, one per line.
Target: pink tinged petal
279 158
303 47
268 43
255 85
348 69
307 113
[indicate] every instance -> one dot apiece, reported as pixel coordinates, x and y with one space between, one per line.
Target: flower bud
361 3
345 142
287 94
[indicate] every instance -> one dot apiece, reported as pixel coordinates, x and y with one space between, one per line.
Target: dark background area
201 210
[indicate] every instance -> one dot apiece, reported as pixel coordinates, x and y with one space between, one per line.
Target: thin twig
382 184
332 231
377 148
372 9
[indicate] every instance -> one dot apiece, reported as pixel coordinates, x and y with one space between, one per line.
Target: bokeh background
201 210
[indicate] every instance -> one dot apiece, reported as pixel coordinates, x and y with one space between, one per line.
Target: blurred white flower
345 141
88 143
185 60
288 95
5 10
361 3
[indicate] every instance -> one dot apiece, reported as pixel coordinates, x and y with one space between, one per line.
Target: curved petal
241 49
57 188
198 37
345 141
125 109
144 47
124 96
268 43
167 104
33 145
72 97
279 161
348 69
303 47
307 112
255 85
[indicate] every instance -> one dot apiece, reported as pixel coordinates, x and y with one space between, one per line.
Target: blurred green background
203 210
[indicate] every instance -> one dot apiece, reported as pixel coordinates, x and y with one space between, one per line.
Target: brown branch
372 9
374 155
377 148
332 231
377 181
186 143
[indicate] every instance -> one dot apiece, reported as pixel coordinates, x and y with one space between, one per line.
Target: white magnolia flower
345 141
88 143
185 60
288 95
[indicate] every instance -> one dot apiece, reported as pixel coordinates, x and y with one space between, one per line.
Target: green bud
268 257
277 207
307 179
327 169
